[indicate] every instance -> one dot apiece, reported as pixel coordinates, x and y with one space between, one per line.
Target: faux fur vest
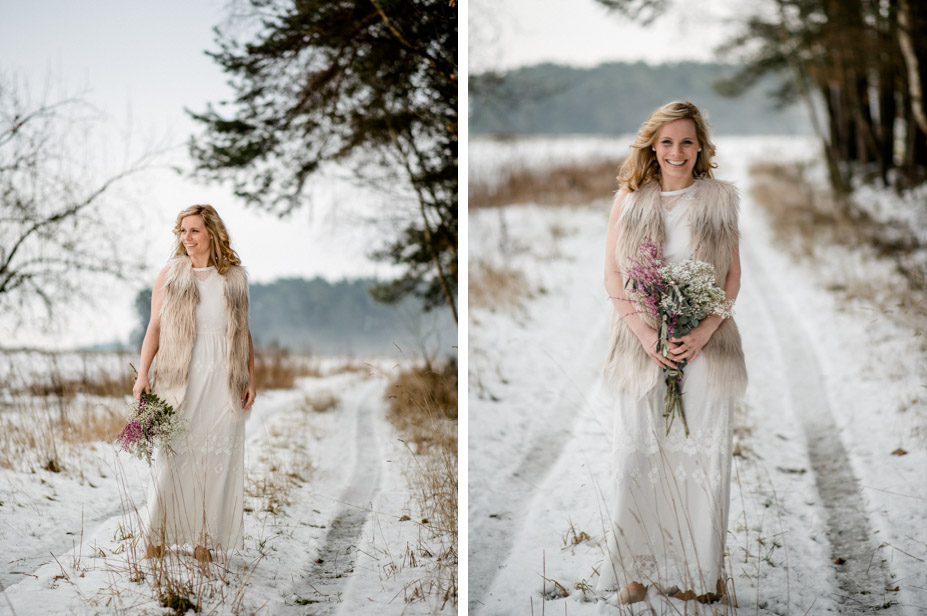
178 333
712 217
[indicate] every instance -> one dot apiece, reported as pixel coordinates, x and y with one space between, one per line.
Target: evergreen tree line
333 318
858 66
614 98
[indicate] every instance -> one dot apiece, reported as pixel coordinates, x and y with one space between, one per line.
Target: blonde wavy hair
642 167
220 250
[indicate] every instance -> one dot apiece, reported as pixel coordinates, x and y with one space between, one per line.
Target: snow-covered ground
331 526
835 389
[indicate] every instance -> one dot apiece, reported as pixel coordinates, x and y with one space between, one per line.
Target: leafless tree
56 230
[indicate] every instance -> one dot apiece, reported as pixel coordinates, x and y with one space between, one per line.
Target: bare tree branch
53 226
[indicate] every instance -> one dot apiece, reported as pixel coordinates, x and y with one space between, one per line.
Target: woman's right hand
649 341
141 386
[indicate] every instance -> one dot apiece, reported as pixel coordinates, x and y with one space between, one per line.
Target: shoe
202 554
632 593
153 551
688 595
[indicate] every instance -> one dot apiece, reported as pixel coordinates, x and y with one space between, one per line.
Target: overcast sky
509 33
140 63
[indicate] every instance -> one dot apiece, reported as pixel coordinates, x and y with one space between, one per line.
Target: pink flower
130 435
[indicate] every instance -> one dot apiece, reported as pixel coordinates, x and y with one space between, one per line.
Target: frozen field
835 389
331 526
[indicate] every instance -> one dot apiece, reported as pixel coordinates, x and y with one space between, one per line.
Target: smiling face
676 147
195 238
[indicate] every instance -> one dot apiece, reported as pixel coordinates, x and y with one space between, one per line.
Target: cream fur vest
712 217
178 333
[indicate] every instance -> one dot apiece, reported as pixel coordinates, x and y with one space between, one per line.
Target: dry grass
85 375
804 216
175 581
283 463
278 369
346 366
322 402
564 184
46 431
495 287
423 408
54 404
419 400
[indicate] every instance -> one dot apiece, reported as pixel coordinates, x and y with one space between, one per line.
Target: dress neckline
681 191
204 269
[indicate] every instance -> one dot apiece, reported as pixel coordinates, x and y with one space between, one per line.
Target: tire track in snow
490 540
321 584
864 575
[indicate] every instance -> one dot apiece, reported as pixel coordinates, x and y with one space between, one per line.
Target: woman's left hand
690 346
248 398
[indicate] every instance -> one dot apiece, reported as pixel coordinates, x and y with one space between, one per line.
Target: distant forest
334 318
615 98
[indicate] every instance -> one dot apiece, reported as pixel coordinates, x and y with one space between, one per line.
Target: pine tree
364 83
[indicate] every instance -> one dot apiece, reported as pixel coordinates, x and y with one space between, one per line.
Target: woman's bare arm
152 337
250 394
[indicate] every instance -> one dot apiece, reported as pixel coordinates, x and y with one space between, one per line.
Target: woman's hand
141 386
649 342
690 346
247 399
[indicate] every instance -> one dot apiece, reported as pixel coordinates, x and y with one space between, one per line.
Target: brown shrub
564 184
278 369
421 398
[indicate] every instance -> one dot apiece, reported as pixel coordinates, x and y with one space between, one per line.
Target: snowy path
491 538
864 572
323 546
802 494
327 566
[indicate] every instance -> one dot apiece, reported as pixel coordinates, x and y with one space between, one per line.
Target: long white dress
667 519
195 495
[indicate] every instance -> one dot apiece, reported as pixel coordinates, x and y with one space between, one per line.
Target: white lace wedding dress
667 518
195 495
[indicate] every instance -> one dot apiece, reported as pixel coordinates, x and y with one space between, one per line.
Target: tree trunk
913 64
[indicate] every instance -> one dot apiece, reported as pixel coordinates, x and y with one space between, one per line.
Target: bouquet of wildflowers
152 423
678 296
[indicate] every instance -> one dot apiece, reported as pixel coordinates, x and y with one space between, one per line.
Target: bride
668 516
205 370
